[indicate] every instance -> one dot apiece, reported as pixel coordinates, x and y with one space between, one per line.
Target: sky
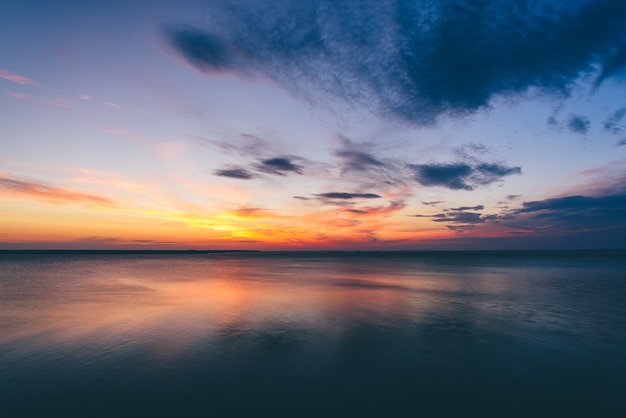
313 125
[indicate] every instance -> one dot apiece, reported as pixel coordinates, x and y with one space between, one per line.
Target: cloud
578 124
613 122
354 159
460 176
478 207
343 195
251 212
410 60
450 176
621 142
562 215
15 188
357 163
235 173
378 210
16 78
570 214
111 105
204 50
279 166
357 211
433 203
27 97
458 219
372 171
246 145
243 145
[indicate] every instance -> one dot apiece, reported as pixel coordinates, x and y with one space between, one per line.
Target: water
313 334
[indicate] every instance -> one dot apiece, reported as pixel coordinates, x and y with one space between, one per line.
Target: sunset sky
319 124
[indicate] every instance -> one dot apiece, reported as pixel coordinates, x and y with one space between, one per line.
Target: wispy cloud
243 145
16 78
111 105
17 188
255 212
467 174
355 159
377 211
51 101
612 124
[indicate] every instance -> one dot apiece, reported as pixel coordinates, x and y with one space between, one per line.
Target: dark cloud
621 142
577 215
613 122
458 219
460 176
357 211
478 207
204 50
411 60
433 203
450 176
569 214
279 165
343 195
235 173
578 124
574 204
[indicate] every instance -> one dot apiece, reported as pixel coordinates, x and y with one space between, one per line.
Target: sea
312 334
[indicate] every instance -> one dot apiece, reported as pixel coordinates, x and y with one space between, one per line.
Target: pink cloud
16 78
112 105
57 101
13 187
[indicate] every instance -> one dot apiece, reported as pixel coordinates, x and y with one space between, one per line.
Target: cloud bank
412 61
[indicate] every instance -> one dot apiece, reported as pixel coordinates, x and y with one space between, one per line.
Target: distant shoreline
126 251
314 252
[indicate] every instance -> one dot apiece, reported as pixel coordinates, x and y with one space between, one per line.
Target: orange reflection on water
169 306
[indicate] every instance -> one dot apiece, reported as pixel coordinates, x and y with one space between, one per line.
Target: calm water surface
313 334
